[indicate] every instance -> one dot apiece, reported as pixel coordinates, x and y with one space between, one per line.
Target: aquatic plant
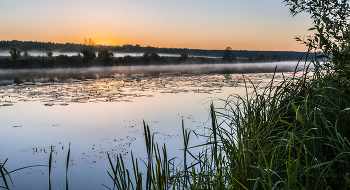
287 135
3 173
6 177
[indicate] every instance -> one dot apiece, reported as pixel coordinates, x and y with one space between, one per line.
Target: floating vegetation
123 88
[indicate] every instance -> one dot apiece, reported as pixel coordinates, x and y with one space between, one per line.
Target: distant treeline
77 61
72 47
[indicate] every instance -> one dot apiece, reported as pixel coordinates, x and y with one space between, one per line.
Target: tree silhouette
26 54
228 55
15 53
89 42
49 53
184 57
88 55
276 58
250 59
150 57
260 58
105 56
88 51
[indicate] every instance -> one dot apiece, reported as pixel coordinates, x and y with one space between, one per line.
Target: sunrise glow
198 24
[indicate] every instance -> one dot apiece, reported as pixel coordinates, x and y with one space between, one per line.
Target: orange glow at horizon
106 41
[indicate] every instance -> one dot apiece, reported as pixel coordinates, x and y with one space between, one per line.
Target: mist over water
103 111
152 70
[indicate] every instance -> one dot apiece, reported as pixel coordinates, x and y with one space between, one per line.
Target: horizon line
142 46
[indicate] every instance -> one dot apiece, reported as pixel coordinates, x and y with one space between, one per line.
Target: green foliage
26 54
88 55
276 58
88 51
228 55
15 53
149 57
68 61
49 53
105 56
292 135
260 58
287 135
332 32
183 57
250 59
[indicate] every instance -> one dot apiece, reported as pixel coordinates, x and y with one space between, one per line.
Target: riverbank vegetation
87 58
288 135
64 48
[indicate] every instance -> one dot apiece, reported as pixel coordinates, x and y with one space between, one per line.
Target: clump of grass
289 135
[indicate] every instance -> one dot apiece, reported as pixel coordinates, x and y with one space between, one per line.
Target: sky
198 24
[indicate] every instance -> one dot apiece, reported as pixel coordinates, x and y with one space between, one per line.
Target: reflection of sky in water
102 116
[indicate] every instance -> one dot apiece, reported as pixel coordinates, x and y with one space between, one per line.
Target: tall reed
287 135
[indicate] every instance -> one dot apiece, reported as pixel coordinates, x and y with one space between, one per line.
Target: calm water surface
105 115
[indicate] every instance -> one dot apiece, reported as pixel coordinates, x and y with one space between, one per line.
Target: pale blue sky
203 24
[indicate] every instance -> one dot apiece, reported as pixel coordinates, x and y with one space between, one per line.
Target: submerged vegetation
288 135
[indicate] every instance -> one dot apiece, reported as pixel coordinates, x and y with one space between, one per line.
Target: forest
86 55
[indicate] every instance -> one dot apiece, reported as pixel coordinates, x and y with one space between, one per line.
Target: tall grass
288 135
292 134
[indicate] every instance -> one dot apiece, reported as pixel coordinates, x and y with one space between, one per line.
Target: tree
88 51
332 32
184 57
26 54
49 53
145 57
105 56
150 57
88 55
250 59
260 58
228 55
89 42
155 57
15 53
276 58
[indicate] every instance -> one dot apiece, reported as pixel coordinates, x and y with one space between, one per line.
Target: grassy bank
289 135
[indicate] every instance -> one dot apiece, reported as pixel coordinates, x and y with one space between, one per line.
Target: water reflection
122 88
104 115
41 75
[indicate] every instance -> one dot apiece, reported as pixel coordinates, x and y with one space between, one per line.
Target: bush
17 81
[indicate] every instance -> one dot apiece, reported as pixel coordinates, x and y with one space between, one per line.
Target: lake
105 113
